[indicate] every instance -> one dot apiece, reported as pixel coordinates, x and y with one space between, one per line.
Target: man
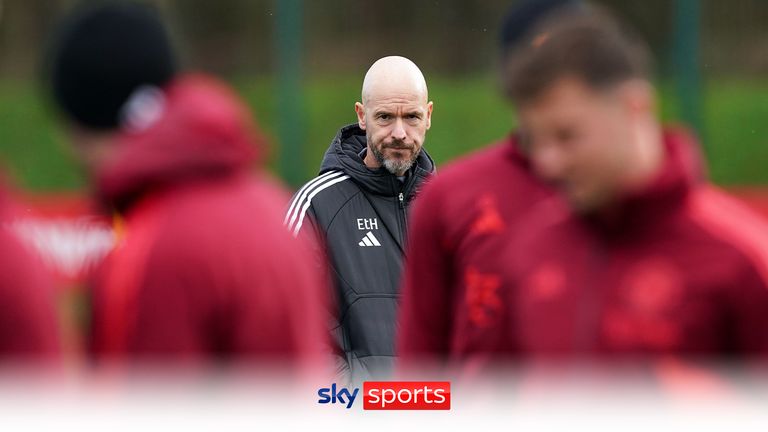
454 273
358 206
203 271
645 260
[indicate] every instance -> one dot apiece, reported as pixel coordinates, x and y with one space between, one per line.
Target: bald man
357 210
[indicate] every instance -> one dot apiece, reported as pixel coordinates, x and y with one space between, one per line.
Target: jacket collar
203 131
681 171
344 155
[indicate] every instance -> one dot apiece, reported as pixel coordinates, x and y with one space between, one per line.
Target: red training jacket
454 270
204 269
29 327
676 269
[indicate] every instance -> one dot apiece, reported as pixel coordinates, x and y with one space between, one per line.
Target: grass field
468 114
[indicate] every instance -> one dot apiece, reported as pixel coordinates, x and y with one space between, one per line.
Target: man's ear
429 115
639 96
360 110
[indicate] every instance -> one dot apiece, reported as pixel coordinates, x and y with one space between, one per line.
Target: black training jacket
361 216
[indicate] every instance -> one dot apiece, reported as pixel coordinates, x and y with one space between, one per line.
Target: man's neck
648 156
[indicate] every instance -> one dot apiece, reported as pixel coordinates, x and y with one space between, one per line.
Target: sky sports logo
391 395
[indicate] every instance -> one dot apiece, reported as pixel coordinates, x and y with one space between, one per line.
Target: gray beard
395 166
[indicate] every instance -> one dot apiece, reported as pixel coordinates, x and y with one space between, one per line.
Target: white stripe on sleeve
317 190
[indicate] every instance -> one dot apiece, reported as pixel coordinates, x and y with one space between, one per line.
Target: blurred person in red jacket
29 330
454 272
637 258
202 271
644 260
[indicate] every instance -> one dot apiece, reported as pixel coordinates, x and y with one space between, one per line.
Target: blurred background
300 64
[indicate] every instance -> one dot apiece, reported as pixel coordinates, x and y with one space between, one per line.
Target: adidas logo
369 240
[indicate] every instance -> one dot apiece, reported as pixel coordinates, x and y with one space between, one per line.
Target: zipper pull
402 200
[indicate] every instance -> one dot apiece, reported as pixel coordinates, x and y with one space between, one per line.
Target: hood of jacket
202 131
344 155
682 170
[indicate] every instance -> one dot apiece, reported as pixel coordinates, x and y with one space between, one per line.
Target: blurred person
29 329
644 260
454 274
203 271
358 206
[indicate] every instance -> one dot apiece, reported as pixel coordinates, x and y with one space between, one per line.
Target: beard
396 166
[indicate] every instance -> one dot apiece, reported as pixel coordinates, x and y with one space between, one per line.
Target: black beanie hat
102 54
525 15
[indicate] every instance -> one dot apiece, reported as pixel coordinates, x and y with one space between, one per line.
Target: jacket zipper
403 218
590 308
406 187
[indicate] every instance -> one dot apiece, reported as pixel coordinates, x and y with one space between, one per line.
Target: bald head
394 76
395 114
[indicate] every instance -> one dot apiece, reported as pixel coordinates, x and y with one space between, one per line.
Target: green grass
33 151
468 114
737 132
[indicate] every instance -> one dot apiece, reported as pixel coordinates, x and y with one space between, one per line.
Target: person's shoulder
327 184
739 234
491 155
23 267
215 227
495 168
203 214
325 193
487 163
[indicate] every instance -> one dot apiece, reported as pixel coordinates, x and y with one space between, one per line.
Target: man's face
395 126
578 139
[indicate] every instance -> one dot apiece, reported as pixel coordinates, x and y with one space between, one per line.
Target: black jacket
360 214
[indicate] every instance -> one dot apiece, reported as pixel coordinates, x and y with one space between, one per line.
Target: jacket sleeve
313 237
749 301
425 313
28 320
